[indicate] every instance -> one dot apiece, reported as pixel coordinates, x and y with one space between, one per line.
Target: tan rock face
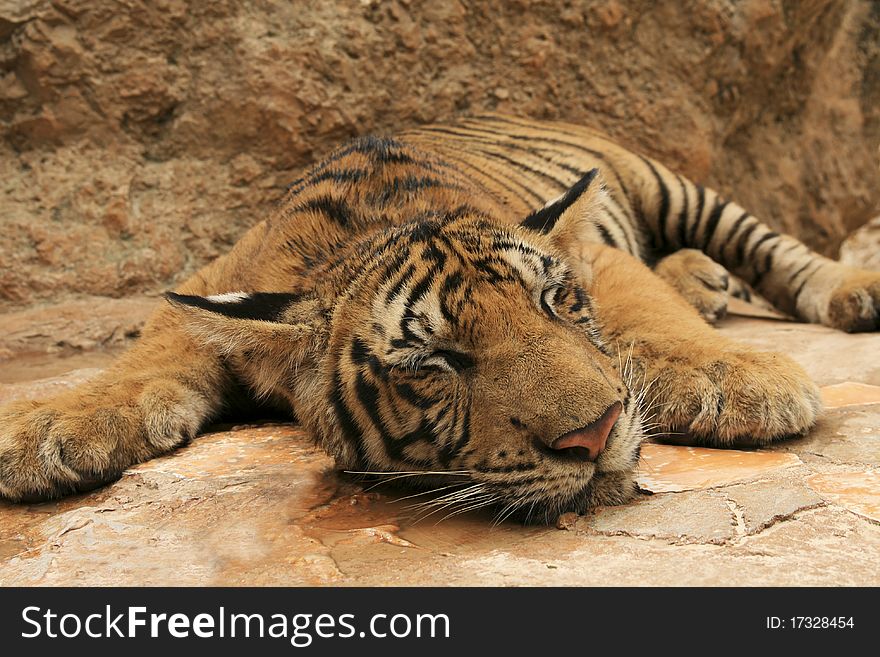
140 139
84 325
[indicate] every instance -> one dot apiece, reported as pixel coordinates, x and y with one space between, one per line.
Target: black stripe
450 451
493 178
741 243
734 229
608 166
336 209
769 235
712 222
663 210
396 188
340 176
461 211
451 285
630 243
761 272
360 352
487 266
421 288
423 229
797 273
522 166
606 235
477 135
768 259
698 215
503 243
516 164
393 265
421 433
398 285
361 355
800 289
411 396
381 149
350 431
545 219
264 306
683 215
506 469
409 338
581 299
368 398
598 155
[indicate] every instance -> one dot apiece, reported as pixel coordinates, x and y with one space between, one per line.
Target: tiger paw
735 398
63 446
699 279
854 305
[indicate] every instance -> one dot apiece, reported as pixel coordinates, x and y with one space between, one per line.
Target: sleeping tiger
499 308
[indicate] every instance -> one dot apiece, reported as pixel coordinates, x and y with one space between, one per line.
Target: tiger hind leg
678 214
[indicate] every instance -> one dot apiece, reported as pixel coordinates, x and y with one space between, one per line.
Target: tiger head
457 353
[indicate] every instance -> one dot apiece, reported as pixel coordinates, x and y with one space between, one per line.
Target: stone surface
696 517
826 356
674 468
845 394
742 308
139 139
846 436
857 491
258 504
757 506
72 327
41 388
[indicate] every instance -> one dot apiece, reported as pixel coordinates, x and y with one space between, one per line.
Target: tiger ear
274 324
567 219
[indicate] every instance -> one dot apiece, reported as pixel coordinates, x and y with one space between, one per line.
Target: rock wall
140 138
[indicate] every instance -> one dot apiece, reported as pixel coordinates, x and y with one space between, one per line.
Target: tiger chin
466 309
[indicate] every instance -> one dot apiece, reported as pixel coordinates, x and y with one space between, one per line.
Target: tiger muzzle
588 442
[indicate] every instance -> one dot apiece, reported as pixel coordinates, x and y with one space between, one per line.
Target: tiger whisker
450 497
394 476
642 462
472 507
441 508
427 504
509 510
429 492
409 472
529 512
429 510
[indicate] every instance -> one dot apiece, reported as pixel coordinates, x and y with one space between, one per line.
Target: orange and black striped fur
466 308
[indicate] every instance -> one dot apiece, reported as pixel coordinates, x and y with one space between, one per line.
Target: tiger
498 309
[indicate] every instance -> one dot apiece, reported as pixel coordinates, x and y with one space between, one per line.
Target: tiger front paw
736 398
63 446
699 279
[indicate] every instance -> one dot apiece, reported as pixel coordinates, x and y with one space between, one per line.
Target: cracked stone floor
257 505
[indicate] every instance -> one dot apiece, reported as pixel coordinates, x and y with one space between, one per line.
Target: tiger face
460 354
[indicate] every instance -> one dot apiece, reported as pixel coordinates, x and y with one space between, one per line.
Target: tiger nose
589 441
